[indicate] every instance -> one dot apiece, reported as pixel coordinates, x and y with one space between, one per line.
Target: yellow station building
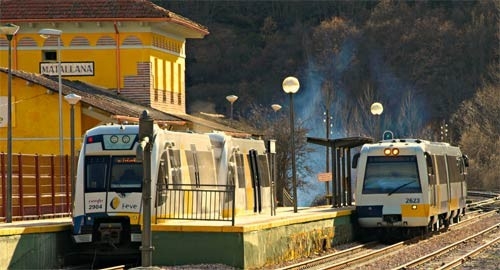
120 56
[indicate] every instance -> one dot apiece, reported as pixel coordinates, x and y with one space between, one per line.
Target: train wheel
425 231
436 226
447 223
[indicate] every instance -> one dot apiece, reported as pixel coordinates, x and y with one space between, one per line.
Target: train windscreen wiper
400 187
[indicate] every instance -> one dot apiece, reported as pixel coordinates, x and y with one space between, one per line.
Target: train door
241 184
449 183
259 167
256 180
433 185
444 191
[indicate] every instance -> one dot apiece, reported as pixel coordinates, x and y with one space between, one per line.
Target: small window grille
49 55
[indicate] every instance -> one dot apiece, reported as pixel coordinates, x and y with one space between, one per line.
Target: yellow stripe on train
454 204
415 210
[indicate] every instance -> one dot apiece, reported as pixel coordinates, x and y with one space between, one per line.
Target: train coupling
110 232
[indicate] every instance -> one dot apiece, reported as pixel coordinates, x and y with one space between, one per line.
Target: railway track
355 251
456 253
368 254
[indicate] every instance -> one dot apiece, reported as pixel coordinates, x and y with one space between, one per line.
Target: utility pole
144 155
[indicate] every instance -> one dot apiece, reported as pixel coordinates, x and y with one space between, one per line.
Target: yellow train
409 185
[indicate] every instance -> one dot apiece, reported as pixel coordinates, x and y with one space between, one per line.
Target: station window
49 55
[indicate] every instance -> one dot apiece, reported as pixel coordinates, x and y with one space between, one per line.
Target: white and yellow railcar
108 189
410 183
244 164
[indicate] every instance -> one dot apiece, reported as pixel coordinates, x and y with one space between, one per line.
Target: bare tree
479 122
409 119
275 125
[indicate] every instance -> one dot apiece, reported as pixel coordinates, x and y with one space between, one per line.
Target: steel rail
327 258
460 260
445 249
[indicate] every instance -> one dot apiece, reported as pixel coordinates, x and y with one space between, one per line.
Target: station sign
324 177
68 68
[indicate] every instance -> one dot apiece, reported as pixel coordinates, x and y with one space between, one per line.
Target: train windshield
389 175
117 173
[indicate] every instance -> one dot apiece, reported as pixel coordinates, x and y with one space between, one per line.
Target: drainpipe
118 64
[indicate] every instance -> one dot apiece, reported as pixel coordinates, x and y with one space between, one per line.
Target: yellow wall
36 128
106 58
35 118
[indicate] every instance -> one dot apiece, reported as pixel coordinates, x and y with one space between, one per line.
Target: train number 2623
412 200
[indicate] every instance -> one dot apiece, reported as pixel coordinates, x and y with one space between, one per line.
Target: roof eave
199 29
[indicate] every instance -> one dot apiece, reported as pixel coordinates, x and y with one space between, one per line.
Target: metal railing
38 191
196 202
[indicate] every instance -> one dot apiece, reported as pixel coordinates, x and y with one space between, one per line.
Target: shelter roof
348 142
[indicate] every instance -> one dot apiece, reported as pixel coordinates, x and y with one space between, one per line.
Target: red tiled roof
89 10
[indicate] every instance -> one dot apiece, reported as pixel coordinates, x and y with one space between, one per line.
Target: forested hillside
429 63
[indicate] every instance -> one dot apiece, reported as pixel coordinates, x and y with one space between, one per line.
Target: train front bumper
375 216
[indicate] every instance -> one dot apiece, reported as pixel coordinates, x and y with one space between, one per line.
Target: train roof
425 145
411 141
113 128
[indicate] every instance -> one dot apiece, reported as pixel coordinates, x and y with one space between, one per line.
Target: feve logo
115 202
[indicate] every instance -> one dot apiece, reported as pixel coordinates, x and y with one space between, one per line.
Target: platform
255 241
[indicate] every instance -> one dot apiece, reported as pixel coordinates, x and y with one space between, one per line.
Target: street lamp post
377 109
72 99
328 120
290 86
10 31
47 33
276 107
231 99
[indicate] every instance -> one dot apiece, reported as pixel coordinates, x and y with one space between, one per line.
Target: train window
240 170
391 175
161 185
175 166
96 171
206 168
126 173
193 166
466 160
230 175
201 167
442 176
464 163
453 168
428 161
355 159
162 173
254 168
263 170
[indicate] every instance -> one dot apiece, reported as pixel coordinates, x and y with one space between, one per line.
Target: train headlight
391 151
413 207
